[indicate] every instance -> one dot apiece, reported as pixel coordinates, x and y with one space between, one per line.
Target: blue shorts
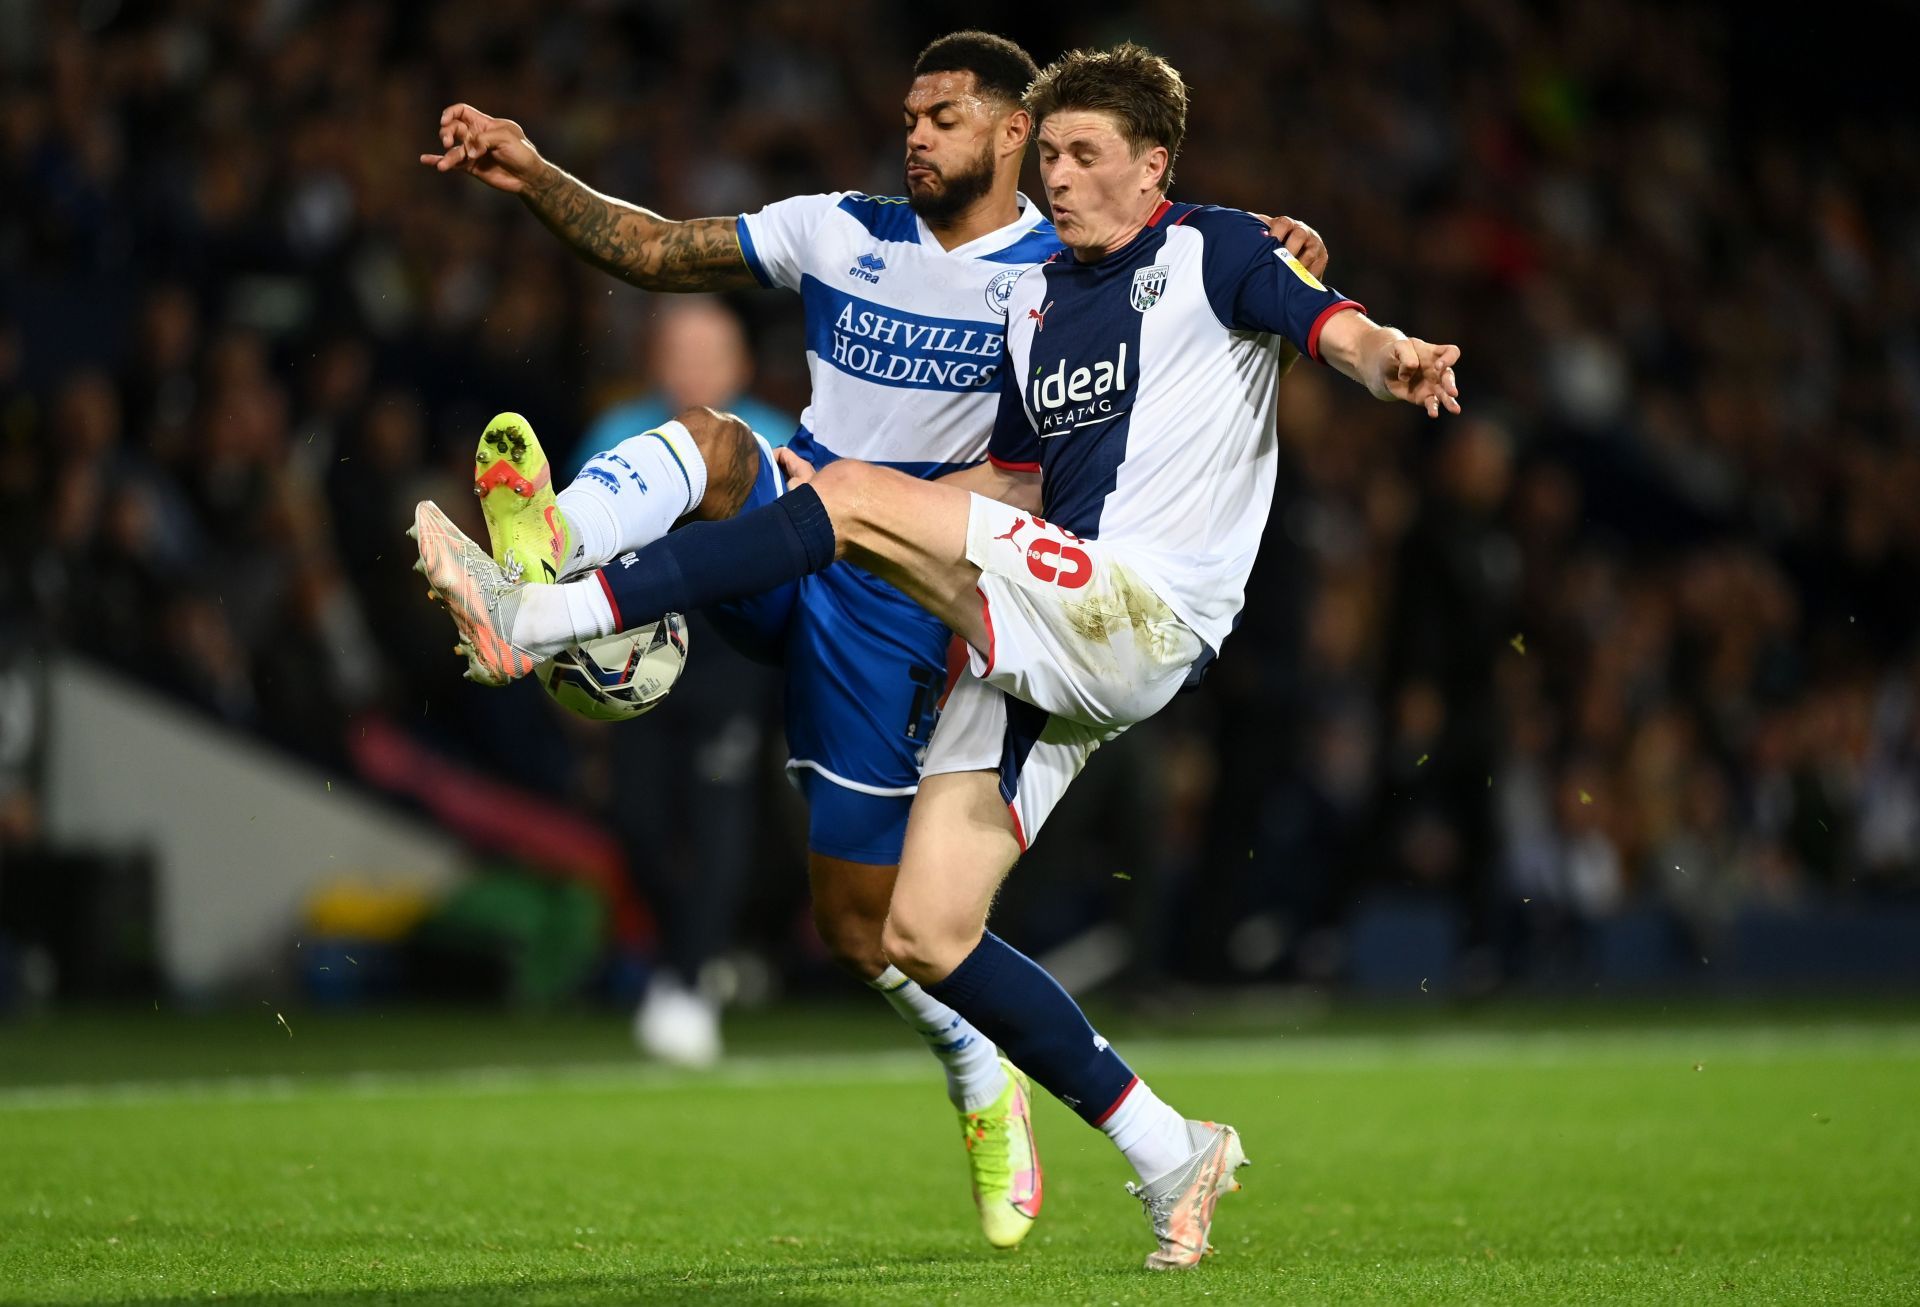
866 669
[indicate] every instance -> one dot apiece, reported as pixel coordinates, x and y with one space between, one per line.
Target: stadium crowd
1639 630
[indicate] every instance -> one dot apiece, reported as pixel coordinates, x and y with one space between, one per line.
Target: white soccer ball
621 676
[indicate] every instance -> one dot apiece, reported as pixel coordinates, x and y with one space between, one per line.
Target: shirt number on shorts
929 688
1066 566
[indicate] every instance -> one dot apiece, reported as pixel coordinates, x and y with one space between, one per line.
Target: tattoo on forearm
637 245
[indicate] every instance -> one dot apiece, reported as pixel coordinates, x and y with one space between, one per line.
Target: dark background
1616 672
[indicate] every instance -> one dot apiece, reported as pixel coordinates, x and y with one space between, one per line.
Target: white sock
554 617
630 495
974 1075
1152 1135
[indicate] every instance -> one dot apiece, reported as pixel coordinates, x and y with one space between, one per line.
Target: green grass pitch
441 1160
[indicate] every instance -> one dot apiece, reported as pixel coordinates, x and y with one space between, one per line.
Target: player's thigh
1033 755
960 846
758 626
910 532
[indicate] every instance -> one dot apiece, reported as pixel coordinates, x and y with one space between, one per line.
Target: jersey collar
993 241
1166 214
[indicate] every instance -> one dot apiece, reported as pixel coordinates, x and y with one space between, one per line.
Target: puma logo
1040 316
1019 524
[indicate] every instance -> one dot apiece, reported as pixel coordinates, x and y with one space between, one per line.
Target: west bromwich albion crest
1149 284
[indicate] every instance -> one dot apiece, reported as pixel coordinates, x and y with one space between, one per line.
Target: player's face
1101 193
951 130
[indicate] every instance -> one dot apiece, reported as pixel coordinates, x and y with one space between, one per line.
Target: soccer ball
621 676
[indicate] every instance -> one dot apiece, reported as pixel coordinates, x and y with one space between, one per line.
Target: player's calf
700 466
849 913
726 446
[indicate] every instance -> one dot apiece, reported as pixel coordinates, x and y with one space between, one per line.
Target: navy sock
1016 1004
707 563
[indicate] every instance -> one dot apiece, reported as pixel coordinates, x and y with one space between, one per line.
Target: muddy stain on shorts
1126 602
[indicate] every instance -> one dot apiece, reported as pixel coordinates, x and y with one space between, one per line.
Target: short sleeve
776 239
1014 444
1253 284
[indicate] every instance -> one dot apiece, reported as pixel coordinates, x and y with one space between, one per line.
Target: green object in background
530 939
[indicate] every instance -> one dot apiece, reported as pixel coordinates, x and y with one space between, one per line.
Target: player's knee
852 938
731 455
924 947
709 425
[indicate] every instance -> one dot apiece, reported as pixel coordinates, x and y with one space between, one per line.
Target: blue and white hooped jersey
1145 389
904 337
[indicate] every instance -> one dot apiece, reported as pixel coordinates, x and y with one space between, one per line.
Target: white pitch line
1160 1057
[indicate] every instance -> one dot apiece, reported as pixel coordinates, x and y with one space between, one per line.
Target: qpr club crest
1149 284
1000 289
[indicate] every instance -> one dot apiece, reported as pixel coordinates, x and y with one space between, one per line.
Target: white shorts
1079 649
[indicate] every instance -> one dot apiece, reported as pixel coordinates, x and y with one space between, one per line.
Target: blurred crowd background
1615 667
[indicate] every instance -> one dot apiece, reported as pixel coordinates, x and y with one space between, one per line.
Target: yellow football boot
525 527
1005 1162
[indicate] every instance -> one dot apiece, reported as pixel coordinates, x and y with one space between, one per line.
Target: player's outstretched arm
1009 485
1390 363
634 244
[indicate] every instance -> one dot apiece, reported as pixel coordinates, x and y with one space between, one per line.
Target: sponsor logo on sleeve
1299 269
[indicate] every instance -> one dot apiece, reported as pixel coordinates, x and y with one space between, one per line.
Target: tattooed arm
632 243
637 245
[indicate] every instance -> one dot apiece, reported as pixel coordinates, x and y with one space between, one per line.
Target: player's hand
496 150
1420 373
794 468
1302 241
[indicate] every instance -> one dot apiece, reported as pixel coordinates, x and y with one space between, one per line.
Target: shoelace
1160 1214
987 1141
1159 1210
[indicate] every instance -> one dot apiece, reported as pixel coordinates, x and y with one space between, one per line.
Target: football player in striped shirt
905 307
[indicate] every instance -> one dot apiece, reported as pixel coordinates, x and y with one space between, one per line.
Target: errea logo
868 267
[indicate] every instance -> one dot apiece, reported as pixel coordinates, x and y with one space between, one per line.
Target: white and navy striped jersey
904 337
1145 389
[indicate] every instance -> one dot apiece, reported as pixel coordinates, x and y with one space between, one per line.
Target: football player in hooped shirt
1137 407
905 305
